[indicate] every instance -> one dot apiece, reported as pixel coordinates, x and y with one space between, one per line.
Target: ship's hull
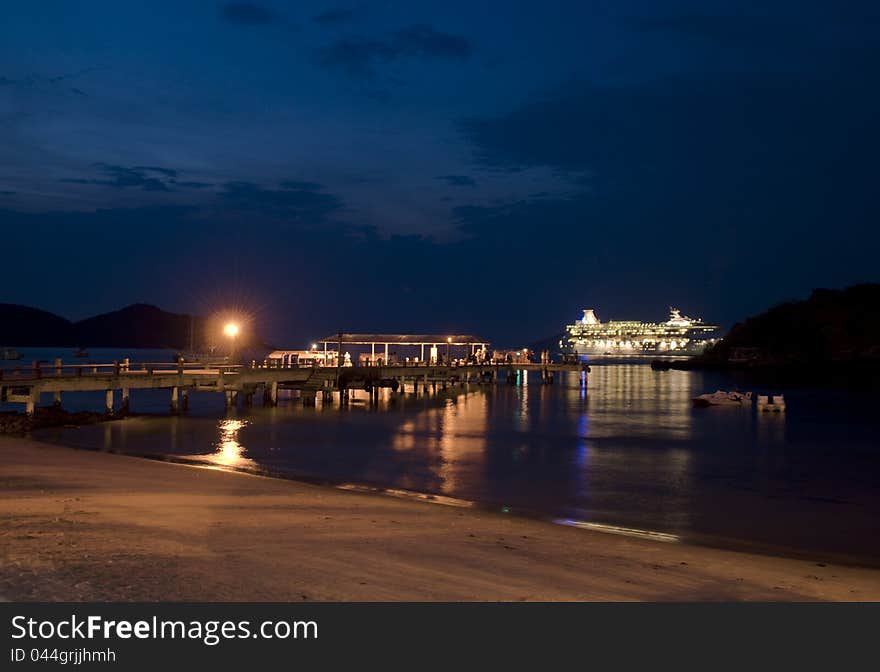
643 351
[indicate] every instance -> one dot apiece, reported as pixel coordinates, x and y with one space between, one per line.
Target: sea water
623 451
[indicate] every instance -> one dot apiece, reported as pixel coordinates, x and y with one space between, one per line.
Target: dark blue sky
452 166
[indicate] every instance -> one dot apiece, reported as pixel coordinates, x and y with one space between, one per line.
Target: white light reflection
616 529
230 453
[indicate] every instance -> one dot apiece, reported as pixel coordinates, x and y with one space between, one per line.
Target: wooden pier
243 383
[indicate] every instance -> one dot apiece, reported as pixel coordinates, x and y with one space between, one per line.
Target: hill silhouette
23 325
139 325
831 328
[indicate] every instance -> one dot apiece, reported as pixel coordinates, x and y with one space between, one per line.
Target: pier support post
184 400
273 393
126 401
108 402
228 394
308 397
32 402
175 392
56 399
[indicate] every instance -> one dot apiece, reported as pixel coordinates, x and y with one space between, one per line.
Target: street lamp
231 330
448 343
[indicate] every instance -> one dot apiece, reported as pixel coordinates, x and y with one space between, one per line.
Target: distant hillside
22 325
831 327
139 326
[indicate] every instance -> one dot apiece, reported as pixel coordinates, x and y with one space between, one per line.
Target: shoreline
86 525
690 539
707 540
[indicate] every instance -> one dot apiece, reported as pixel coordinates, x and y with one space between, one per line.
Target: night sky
451 166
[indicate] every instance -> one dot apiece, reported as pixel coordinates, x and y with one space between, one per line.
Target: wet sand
78 525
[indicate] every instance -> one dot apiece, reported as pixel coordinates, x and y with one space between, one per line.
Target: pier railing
59 369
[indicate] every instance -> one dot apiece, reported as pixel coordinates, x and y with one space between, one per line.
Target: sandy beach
78 525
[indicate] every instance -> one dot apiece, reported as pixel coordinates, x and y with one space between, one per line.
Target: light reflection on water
627 451
230 453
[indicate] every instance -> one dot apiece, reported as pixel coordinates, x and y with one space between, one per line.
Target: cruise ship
679 335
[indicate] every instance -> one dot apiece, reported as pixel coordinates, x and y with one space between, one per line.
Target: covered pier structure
385 349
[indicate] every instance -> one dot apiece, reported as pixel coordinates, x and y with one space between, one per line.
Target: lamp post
231 330
448 343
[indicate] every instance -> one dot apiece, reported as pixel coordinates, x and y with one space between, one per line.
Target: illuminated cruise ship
679 335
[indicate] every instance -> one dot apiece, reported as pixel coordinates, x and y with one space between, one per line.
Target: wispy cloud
145 178
358 56
335 17
53 81
248 13
303 203
458 180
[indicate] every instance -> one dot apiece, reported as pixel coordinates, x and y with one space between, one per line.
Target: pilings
231 398
32 402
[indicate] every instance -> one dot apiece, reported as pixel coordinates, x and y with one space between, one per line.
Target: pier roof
405 339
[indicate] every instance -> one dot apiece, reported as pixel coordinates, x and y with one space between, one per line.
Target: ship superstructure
677 335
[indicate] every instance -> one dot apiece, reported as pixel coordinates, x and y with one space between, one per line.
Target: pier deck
26 386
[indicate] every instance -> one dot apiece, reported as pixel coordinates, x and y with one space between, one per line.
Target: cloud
145 178
357 57
458 180
300 202
194 185
334 17
168 172
248 14
121 177
305 186
728 29
717 127
35 81
422 40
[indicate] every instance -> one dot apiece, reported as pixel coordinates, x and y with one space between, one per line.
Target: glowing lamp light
231 329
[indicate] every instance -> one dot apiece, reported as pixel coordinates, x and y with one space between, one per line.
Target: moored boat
722 398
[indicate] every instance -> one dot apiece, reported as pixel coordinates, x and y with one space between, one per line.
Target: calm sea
627 450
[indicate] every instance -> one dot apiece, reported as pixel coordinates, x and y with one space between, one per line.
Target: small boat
722 398
10 354
80 353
